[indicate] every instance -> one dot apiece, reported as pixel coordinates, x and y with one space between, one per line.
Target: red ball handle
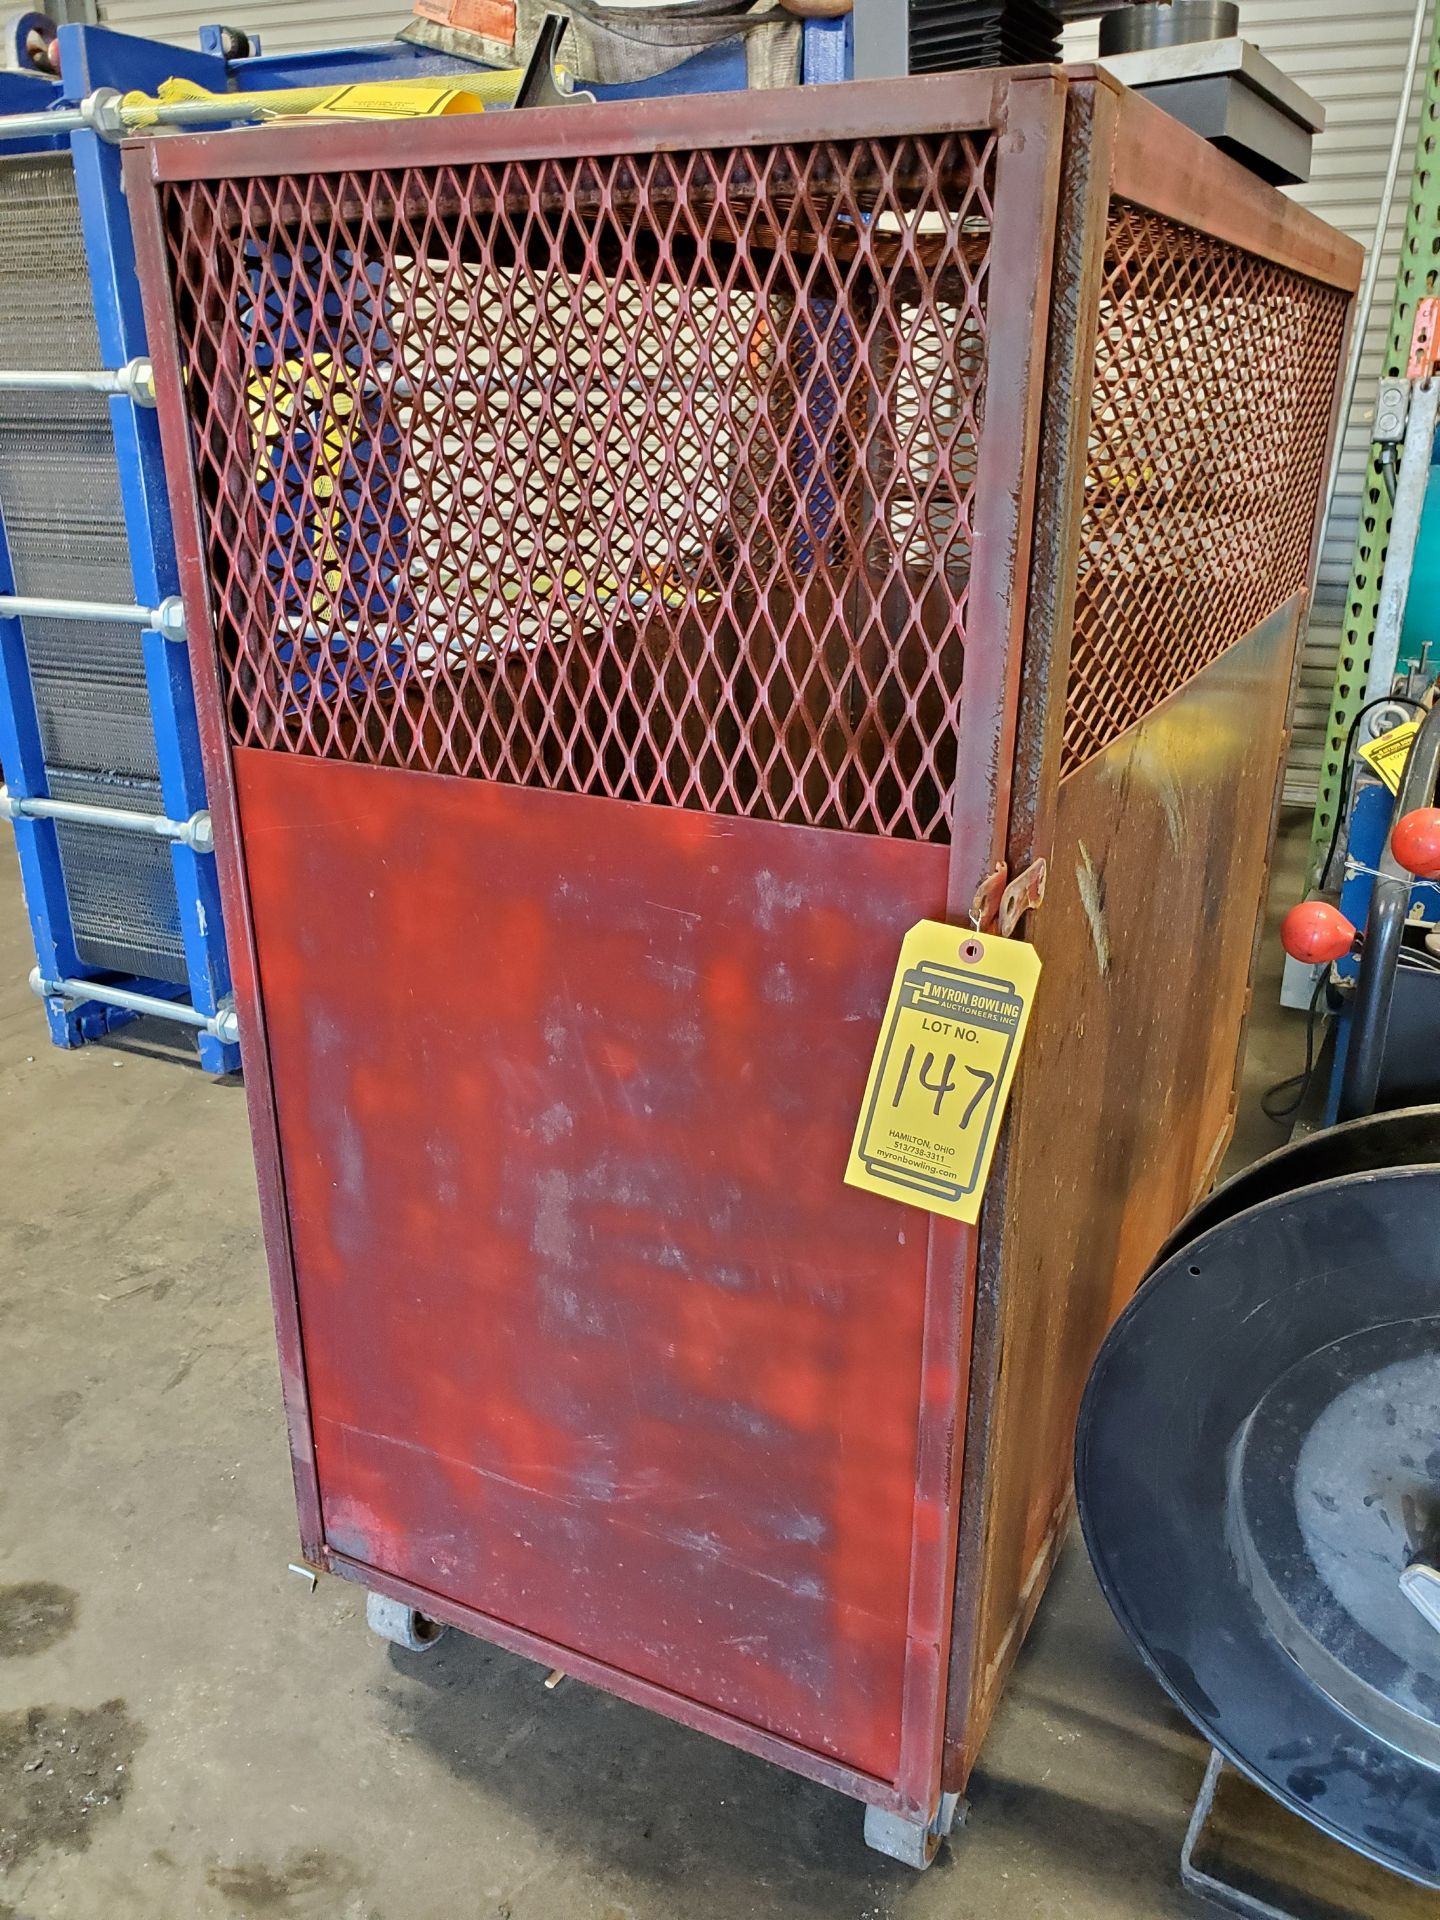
1315 931
1415 842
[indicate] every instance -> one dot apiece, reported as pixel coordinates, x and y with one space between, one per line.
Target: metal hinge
985 907
1000 904
1025 891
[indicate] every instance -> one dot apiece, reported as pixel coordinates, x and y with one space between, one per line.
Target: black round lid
1258 1476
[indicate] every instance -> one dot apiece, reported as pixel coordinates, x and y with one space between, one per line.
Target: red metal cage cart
642 558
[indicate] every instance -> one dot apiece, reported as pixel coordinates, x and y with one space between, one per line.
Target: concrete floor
186 1730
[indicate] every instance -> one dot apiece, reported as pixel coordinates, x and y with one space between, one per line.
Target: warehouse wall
1351 59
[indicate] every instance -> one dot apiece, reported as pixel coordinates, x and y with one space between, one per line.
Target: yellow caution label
1387 755
943 1067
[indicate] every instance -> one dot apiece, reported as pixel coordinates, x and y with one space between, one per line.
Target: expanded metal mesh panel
648 477
1214 378
65 531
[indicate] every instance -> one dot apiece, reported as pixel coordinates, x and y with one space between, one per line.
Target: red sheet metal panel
595 1340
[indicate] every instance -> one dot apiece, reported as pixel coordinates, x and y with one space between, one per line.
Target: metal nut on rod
136 381
198 833
100 112
170 617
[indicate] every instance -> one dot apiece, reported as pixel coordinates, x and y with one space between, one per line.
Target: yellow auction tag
397 100
942 1069
1387 755
358 100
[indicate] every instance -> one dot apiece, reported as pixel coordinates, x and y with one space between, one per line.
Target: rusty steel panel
1037 1304
595 1341
1136 1043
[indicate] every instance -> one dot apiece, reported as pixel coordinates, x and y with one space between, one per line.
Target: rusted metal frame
1017 303
947 1325
988 1682
271 1171
1076 287
1189 181
229 848
624 1685
787 116
1027 174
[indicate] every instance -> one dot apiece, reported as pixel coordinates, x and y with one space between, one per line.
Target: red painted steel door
596 1341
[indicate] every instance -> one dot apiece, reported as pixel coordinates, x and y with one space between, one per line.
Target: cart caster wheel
402 1626
906 1840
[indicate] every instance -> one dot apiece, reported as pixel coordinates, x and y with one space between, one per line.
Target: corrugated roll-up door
1353 61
